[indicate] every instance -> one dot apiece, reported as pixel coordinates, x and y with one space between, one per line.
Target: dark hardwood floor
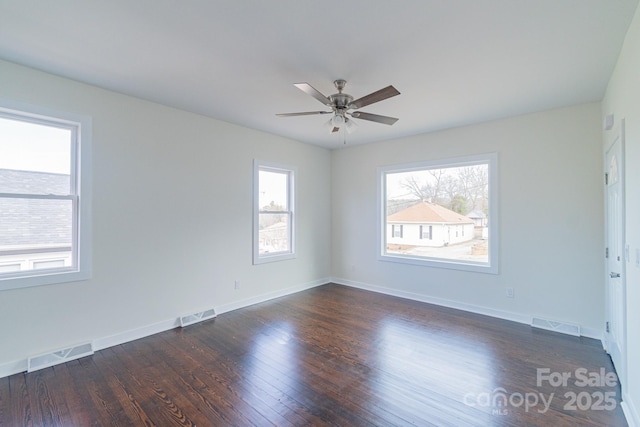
331 355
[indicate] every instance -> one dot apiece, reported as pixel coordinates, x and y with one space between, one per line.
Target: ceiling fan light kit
340 104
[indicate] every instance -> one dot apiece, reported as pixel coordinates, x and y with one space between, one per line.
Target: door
615 334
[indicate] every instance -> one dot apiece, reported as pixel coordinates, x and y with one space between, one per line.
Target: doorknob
614 275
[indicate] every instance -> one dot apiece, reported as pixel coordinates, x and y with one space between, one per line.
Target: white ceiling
455 62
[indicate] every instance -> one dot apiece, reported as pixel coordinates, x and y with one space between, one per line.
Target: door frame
617 132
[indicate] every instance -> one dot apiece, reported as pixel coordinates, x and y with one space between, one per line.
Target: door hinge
606 179
606 252
607 327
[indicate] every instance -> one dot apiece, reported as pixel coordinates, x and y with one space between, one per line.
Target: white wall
623 100
172 218
551 217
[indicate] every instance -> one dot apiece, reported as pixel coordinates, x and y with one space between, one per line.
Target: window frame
491 160
291 172
79 195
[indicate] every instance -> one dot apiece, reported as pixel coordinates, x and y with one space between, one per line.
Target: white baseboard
269 296
630 412
516 317
11 368
15 367
134 334
18 366
596 334
500 314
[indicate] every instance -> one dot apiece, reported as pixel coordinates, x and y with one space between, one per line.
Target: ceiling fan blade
374 117
304 113
377 96
307 88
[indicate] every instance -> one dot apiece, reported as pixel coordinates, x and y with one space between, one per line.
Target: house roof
476 215
425 213
34 222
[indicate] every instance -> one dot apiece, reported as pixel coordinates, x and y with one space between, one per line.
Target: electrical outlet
509 293
236 284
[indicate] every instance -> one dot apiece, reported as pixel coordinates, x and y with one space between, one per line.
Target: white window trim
292 171
491 266
81 158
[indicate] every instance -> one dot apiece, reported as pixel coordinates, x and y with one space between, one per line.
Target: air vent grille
197 317
550 325
60 356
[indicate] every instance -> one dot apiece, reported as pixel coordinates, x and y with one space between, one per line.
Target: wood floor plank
331 355
273 366
5 415
52 408
263 401
20 401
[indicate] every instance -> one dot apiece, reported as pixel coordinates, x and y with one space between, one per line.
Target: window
274 221
440 213
45 202
425 231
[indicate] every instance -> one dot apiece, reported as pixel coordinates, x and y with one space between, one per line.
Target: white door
615 334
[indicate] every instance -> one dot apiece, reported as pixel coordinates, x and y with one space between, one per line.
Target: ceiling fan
340 104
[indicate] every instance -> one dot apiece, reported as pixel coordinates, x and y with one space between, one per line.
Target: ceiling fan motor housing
340 101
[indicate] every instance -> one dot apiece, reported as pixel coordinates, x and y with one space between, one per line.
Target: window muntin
447 211
42 213
273 212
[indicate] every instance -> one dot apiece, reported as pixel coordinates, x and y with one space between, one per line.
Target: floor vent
197 317
58 357
550 325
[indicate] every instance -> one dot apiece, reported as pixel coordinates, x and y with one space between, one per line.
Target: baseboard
630 412
596 334
12 368
269 296
18 366
437 301
500 314
134 334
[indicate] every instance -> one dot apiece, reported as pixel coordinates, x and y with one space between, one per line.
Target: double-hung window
44 196
274 220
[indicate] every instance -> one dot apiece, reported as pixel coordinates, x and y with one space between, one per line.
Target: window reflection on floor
429 360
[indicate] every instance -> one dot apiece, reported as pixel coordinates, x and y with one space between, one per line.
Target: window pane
10 268
273 234
439 213
34 158
273 191
35 229
57 263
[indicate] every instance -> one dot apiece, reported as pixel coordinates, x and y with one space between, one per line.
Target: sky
34 147
273 187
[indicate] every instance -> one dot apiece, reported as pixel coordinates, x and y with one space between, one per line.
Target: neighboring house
478 217
274 238
34 233
428 224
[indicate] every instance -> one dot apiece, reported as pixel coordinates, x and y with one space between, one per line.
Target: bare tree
437 175
461 189
475 185
428 190
416 188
